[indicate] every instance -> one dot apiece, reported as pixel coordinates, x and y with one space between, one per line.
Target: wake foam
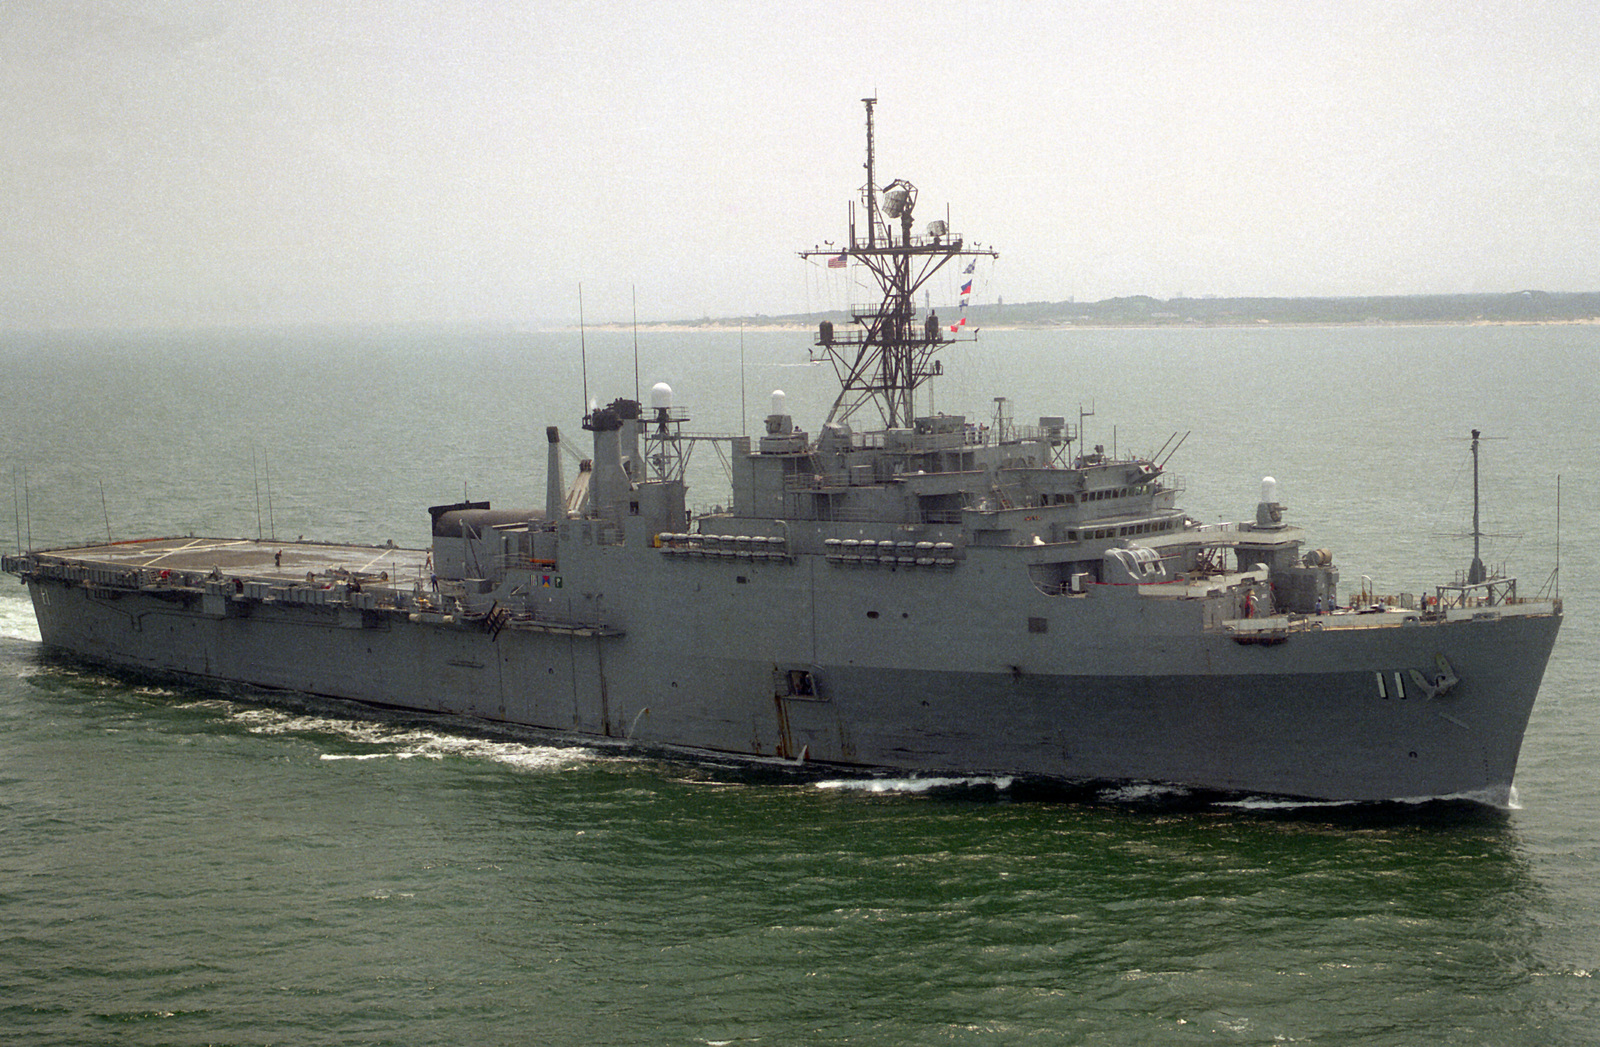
1143 792
401 742
912 785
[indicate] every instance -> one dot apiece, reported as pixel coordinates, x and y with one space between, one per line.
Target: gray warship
903 591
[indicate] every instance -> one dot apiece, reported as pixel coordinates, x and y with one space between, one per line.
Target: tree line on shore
1145 311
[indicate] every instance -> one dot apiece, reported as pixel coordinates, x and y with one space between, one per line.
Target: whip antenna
583 353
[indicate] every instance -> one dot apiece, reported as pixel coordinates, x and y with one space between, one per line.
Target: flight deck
282 563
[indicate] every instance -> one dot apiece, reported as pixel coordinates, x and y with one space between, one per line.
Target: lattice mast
892 351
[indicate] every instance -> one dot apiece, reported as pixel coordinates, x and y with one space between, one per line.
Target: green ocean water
182 866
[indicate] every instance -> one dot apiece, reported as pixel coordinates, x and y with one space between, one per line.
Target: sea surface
187 866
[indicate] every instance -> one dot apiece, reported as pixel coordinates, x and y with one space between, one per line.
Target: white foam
1263 803
911 785
407 743
1504 797
1138 792
520 757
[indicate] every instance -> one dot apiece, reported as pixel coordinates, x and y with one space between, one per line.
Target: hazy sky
197 162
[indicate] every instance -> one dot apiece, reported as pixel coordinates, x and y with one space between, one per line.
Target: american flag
838 261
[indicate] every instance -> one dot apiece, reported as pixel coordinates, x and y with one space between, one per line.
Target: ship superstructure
904 589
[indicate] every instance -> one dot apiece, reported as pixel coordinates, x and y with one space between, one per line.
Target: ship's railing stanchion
1490 593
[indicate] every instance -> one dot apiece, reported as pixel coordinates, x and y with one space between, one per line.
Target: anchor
1440 685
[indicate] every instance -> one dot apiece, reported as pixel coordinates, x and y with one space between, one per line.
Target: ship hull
1340 714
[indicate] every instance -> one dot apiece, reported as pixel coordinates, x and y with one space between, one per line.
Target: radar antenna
892 351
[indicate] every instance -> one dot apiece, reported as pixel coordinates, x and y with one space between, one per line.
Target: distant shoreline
1138 312
715 327
1145 312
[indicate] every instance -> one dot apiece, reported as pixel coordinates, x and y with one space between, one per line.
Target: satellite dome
660 396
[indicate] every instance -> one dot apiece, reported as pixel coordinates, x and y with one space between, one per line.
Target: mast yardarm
891 351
